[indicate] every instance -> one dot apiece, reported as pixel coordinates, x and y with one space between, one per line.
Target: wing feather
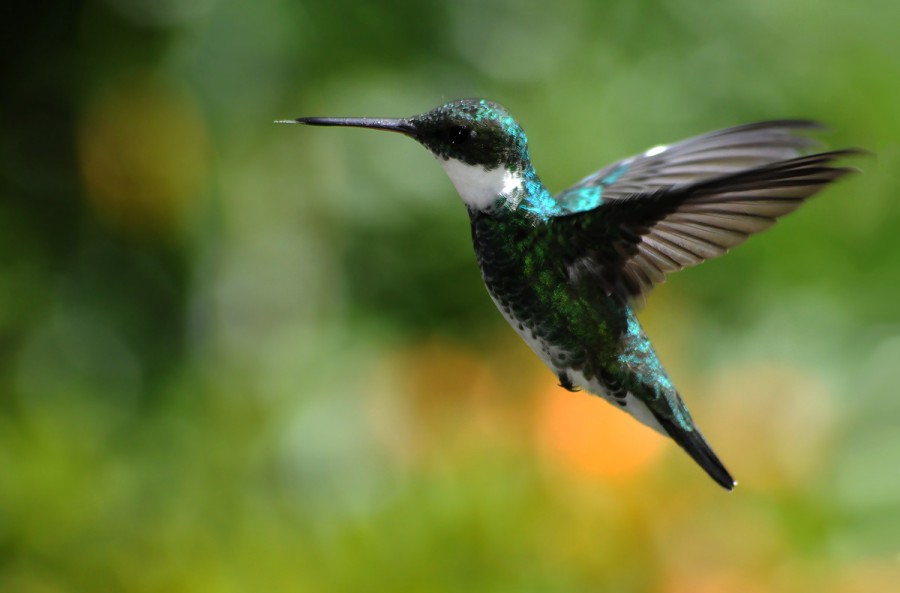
663 216
716 154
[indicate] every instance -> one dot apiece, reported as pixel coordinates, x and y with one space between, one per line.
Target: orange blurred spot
143 151
446 397
715 582
594 439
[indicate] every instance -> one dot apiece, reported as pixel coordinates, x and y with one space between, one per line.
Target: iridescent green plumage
588 338
563 269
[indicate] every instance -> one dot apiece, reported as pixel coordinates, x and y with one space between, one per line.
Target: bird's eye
459 134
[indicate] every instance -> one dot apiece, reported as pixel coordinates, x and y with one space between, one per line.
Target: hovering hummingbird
564 270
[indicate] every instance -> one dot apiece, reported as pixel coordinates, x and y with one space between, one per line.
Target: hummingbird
567 271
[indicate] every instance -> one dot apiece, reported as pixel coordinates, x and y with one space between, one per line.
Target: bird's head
481 147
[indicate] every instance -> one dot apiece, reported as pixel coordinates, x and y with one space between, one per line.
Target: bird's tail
696 446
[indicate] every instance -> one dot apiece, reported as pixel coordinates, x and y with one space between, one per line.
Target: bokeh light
596 439
144 157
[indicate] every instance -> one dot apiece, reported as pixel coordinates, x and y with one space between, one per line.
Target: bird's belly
552 355
545 351
627 401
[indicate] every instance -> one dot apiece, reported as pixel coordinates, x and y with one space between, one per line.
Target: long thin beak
403 126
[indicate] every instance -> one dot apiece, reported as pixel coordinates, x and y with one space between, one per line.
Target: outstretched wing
711 155
665 213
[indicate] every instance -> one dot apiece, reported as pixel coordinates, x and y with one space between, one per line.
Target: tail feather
696 446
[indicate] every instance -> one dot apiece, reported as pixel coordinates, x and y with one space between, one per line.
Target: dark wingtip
774 124
797 123
854 153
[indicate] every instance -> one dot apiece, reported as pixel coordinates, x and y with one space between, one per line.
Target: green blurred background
236 356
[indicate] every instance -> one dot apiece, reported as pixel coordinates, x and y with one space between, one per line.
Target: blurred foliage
236 356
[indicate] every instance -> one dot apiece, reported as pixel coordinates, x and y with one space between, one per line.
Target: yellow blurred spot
869 577
592 438
775 421
144 155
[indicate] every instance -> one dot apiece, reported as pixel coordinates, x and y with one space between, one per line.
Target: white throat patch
480 187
